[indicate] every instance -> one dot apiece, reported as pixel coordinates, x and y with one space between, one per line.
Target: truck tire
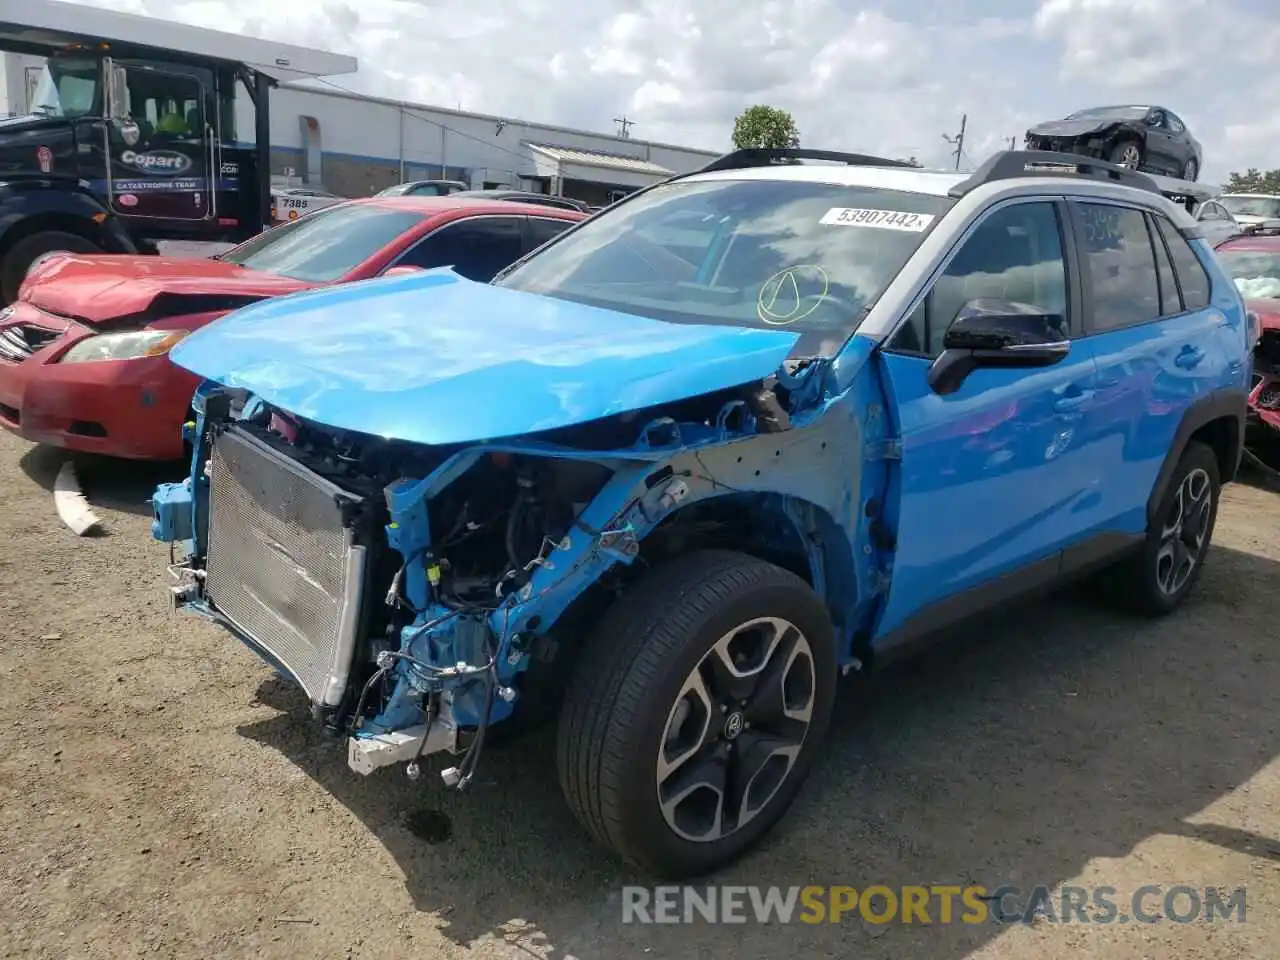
695 711
1159 576
19 258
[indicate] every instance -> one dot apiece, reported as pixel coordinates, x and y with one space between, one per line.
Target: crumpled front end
1083 138
1264 396
410 590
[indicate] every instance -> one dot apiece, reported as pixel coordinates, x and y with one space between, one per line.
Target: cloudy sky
888 77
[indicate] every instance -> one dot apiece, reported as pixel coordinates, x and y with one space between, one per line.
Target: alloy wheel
1183 535
737 727
1130 156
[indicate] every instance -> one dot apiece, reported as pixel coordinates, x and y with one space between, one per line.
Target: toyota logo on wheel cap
733 725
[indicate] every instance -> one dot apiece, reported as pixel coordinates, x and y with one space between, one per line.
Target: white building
357 145
354 145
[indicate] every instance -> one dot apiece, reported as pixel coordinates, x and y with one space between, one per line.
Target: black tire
1138 587
19 258
1190 170
1127 147
629 679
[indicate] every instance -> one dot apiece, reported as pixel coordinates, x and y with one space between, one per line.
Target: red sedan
83 349
1254 263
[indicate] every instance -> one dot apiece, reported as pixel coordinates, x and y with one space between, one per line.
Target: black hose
433 707
468 765
364 696
513 523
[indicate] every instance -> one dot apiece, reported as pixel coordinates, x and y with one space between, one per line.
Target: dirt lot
162 795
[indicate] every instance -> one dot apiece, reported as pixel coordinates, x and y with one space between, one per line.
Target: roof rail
1017 164
766 156
1265 228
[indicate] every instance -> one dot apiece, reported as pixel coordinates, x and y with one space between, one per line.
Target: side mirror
117 92
401 270
998 333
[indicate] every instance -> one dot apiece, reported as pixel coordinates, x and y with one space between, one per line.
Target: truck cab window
67 88
165 105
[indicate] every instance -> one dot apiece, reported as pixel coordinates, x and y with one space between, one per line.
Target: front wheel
1127 153
1159 577
1190 170
696 710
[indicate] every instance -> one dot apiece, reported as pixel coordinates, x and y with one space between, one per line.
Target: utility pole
1013 143
624 126
958 140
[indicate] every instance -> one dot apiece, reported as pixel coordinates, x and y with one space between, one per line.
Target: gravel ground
163 795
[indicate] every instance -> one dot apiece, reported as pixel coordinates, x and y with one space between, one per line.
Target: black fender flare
65 201
1228 403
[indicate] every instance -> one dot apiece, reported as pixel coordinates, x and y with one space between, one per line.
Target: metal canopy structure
43 27
573 163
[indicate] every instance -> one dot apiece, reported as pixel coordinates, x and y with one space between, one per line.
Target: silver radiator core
280 565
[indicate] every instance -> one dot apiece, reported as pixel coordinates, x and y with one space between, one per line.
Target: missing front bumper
283 565
366 754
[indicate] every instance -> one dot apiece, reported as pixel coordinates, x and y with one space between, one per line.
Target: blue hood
433 358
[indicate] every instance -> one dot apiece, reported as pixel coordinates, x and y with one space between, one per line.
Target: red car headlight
123 346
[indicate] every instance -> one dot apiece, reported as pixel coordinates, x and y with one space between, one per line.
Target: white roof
46 25
911 179
594 158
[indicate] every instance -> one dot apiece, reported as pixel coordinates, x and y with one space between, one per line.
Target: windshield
1252 206
1119 113
1255 272
399 190
324 245
807 257
66 88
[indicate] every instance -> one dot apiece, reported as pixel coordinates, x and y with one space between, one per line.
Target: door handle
1189 357
1072 402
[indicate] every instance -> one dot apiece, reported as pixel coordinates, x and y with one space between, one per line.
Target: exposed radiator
280 565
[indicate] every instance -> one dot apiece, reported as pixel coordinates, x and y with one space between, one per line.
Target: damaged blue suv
675 471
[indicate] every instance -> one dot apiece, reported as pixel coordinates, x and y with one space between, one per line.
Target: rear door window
1170 301
1119 266
476 248
542 229
1193 280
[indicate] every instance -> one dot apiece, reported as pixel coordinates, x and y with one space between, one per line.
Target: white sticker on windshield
879 219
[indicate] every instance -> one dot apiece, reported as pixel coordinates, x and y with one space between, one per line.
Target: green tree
768 127
1254 181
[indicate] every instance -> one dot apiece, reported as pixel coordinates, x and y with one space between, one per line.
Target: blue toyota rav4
673 472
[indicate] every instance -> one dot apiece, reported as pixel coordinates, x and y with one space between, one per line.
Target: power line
958 140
